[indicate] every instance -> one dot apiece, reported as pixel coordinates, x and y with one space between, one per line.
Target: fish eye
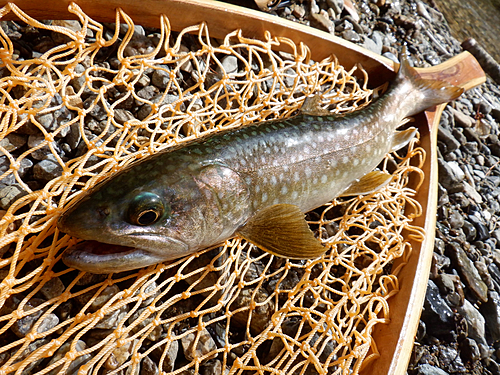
146 208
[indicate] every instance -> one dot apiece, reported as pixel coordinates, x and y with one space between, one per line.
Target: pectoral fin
368 183
281 230
311 106
402 138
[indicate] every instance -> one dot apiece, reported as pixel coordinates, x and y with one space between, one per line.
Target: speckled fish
255 182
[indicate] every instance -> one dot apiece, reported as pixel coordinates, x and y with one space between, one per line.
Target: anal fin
402 138
281 230
368 183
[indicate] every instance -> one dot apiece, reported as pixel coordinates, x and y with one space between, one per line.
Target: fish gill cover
90 99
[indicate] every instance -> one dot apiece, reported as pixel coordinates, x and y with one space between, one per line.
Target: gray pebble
475 321
148 367
427 369
229 65
50 321
351 36
204 345
161 77
469 273
481 228
13 142
321 22
24 325
46 170
445 136
9 194
461 119
449 177
456 219
491 313
435 308
52 288
75 365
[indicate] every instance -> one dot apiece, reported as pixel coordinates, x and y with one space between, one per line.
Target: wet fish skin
255 182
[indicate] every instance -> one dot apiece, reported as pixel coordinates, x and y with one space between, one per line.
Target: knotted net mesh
89 99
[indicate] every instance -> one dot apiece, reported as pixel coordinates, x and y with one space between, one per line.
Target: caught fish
255 182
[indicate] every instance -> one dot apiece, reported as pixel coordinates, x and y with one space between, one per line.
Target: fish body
255 182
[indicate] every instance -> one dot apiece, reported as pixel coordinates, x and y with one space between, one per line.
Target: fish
255 182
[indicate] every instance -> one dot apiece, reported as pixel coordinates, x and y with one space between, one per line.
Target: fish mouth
102 258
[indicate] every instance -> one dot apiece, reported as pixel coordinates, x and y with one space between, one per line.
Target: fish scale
254 182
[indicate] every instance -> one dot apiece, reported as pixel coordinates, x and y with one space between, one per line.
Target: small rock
351 36
212 367
469 273
472 193
456 220
47 170
13 141
449 176
470 350
52 288
49 322
427 369
491 313
229 64
24 325
148 367
120 355
321 22
461 119
475 322
445 136
204 345
298 10
436 310
9 194
482 230
161 77
75 364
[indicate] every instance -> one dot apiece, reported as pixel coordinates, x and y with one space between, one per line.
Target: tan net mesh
232 309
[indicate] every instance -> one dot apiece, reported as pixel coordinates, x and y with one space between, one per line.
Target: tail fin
426 92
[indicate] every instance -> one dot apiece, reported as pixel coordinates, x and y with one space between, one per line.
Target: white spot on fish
274 181
308 171
296 176
324 178
281 177
315 180
264 197
284 190
356 162
257 188
276 201
295 195
345 159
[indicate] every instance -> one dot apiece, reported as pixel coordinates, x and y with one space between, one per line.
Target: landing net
91 98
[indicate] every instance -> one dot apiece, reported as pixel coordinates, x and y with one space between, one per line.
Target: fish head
132 222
